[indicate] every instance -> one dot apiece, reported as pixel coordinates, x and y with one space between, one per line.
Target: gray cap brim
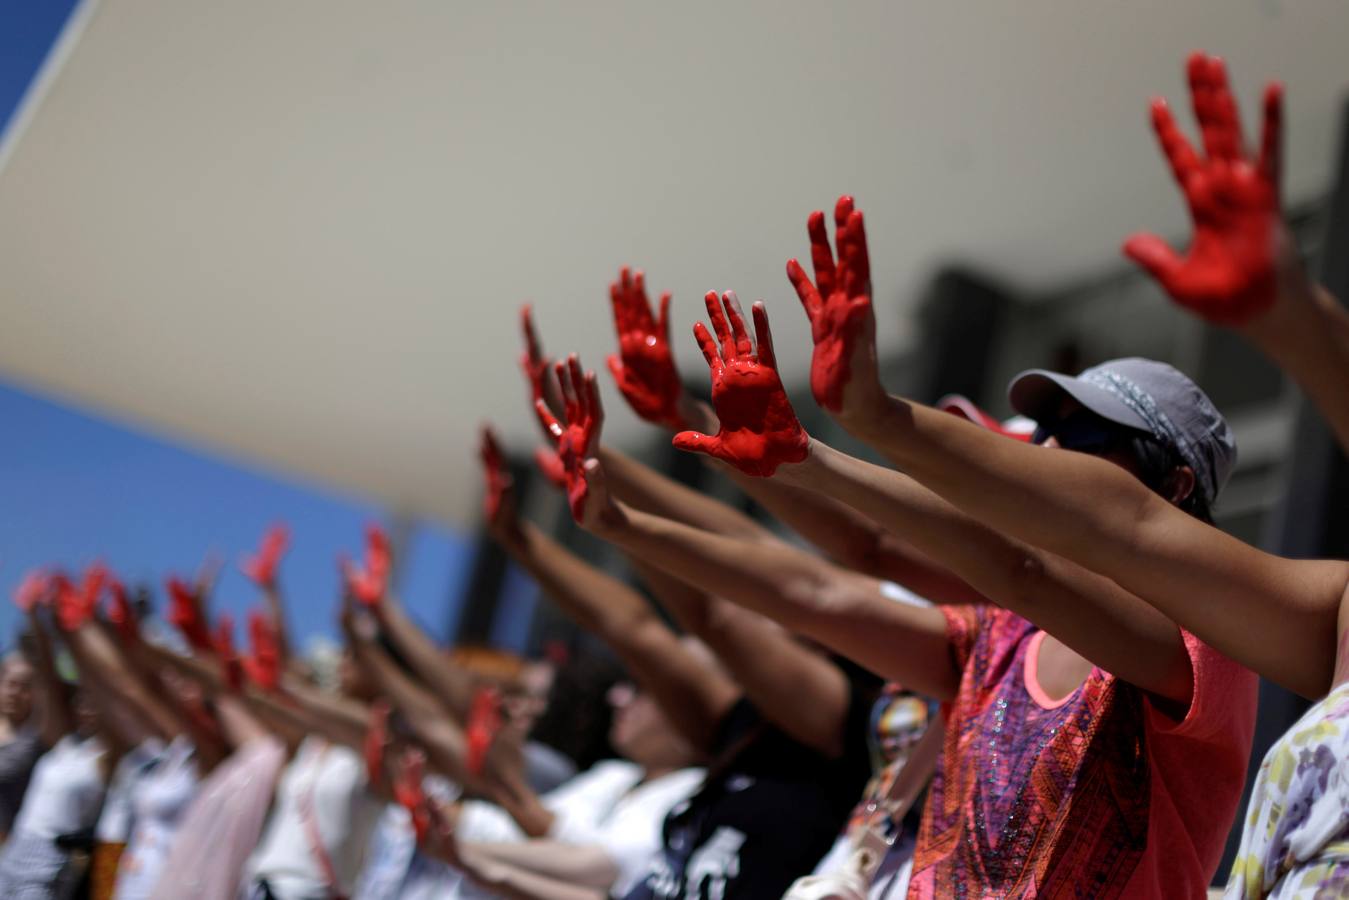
1038 394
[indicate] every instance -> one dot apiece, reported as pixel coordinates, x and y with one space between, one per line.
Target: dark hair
1156 461
576 720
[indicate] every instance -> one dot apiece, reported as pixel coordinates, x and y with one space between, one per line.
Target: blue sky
27 30
75 488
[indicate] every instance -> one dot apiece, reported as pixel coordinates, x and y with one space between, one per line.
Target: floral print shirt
1295 842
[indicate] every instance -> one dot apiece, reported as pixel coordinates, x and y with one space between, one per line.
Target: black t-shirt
768 811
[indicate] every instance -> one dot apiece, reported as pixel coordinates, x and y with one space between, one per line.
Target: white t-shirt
114 822
65 791
322 793
158 801
395 869
605 806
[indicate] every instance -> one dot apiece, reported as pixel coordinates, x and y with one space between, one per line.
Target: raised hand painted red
35 588
532 361
263 664
184 614
838 301
75 606
368 584
223 643
535 366
407 790
484 721
579 437
262 567
120 614
1229 273
759 429
644 368
498 478
376 741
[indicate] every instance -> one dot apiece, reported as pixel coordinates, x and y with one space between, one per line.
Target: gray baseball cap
1145 395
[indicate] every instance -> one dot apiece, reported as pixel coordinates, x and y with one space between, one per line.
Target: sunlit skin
351 680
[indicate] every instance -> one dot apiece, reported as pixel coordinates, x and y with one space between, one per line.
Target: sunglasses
1082 432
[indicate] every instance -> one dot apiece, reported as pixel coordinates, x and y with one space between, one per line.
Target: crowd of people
1014 662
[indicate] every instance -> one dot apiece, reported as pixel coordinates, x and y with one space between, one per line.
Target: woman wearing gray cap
1090 742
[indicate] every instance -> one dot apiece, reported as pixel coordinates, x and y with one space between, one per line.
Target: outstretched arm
102 664
807 595
694 696
645 373
545 871
1242 268
755 651
524 877
793 686
1093 615
442 737
452 685
1275 615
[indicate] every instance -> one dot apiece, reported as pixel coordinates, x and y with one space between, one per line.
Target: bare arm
748 645
443 739
1275 615
101 661
807 595
57 720
694 696
452 685
645 372
505 880
1307 335
341 720
792 686
1090 613
844 533
581 866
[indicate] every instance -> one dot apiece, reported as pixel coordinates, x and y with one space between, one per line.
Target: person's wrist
799 473
609 520
862 413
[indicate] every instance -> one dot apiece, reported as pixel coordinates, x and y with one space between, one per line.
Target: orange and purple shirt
1097 794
